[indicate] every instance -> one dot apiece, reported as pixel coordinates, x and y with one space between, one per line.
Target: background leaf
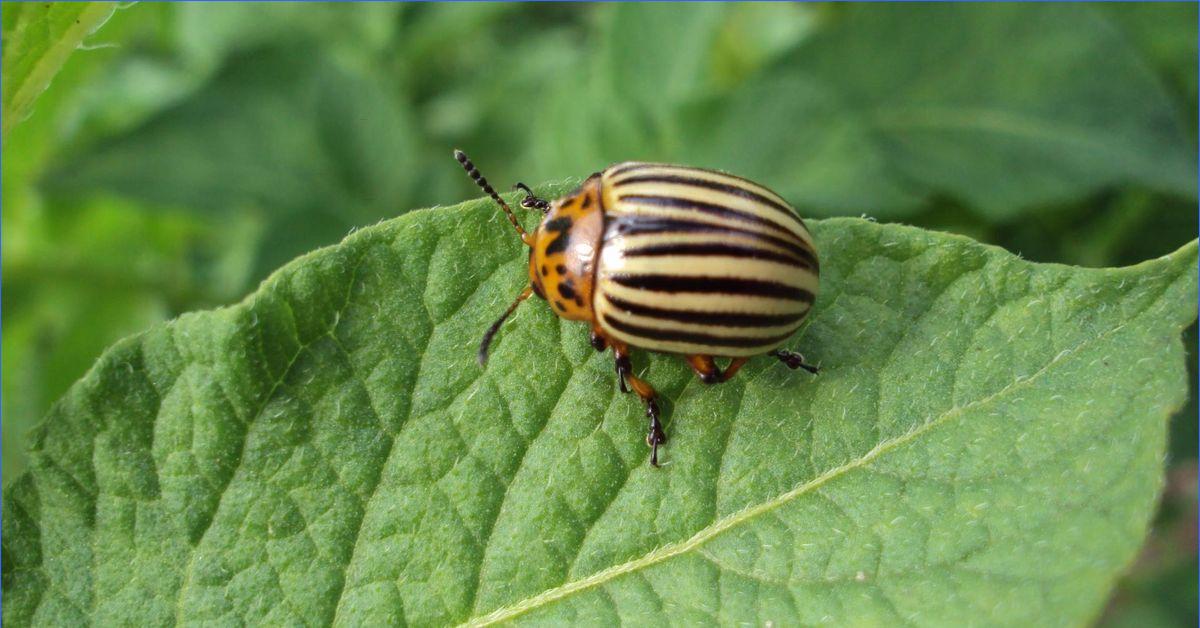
39 36
210 34
278 129
984 442
989 105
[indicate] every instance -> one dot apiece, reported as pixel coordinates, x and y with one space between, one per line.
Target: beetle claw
655 436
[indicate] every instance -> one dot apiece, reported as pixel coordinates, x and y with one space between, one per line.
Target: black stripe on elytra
716 250
639 225
699 317
674 202
719 285
694 337
734 190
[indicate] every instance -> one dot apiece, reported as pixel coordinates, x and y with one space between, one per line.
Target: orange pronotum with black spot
672 259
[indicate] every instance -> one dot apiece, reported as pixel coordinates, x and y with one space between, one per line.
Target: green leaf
649 60
1166 33
315 144
208 33
38 38
984 444
1005 107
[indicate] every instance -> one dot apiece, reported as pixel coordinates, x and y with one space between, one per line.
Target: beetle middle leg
708 371
655 436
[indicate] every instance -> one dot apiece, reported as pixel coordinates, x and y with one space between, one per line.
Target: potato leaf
1004 107
984 444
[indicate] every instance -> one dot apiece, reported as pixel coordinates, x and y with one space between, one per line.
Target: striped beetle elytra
671 259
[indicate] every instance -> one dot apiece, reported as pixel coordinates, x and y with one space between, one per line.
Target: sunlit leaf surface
984 444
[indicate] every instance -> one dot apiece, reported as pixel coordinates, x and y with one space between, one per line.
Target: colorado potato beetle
672 259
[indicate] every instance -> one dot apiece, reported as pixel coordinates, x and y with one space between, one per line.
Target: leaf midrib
749 513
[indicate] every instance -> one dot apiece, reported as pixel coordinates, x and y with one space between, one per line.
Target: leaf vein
705 535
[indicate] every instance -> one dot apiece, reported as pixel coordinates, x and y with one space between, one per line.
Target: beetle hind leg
655 436
707 370
794 360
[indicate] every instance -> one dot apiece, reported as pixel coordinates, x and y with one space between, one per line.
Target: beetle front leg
794 360
655 436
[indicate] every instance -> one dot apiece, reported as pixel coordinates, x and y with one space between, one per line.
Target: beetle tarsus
794 360
623 370
655 436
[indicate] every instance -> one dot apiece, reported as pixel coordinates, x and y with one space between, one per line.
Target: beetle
671 259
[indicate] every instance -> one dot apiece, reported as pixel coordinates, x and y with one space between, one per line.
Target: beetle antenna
473 172
491 332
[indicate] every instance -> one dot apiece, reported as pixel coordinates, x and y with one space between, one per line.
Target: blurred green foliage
186 150
39 39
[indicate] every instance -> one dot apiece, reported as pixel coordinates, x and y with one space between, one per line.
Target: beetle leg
794 360
598 341
623 369
735 365
708 371
655 436
705 368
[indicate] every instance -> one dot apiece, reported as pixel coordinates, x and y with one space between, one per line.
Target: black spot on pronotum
559 226
579 301
566 290
586 202
558 244
562 270
562 223
545 271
